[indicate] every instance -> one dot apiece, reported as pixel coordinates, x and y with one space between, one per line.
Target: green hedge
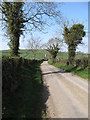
83 63
11 69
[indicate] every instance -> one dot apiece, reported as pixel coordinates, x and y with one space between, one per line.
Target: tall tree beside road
73 37
20 17
13 16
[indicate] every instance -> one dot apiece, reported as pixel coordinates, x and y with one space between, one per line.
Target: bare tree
56 41
53 46
20 17
34 44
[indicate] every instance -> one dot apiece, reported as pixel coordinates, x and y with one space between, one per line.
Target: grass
82 73
27 54
41 53
75 70
26 100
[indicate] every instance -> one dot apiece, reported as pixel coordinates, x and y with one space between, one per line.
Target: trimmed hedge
11 68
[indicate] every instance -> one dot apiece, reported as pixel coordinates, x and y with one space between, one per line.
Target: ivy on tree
19 17
53 50
13 16
73 37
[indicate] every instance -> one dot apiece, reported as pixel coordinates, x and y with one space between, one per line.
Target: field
41 54
27 54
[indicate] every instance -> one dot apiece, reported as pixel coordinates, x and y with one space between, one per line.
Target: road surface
65 95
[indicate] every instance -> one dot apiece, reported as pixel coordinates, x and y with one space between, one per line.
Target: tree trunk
34 55
15 46
71 53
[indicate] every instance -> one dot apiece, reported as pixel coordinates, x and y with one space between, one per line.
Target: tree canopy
73 37
53 50
34 44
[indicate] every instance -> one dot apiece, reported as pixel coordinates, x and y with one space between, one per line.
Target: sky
77 11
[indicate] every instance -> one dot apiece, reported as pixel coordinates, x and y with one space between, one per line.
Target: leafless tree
31 16
34 44
36 14
54 41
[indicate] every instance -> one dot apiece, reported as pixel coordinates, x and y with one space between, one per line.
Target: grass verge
75 70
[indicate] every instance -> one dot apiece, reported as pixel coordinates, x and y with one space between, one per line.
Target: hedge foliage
11 69
83 63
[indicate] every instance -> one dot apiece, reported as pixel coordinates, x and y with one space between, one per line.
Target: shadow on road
56 72
45 95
